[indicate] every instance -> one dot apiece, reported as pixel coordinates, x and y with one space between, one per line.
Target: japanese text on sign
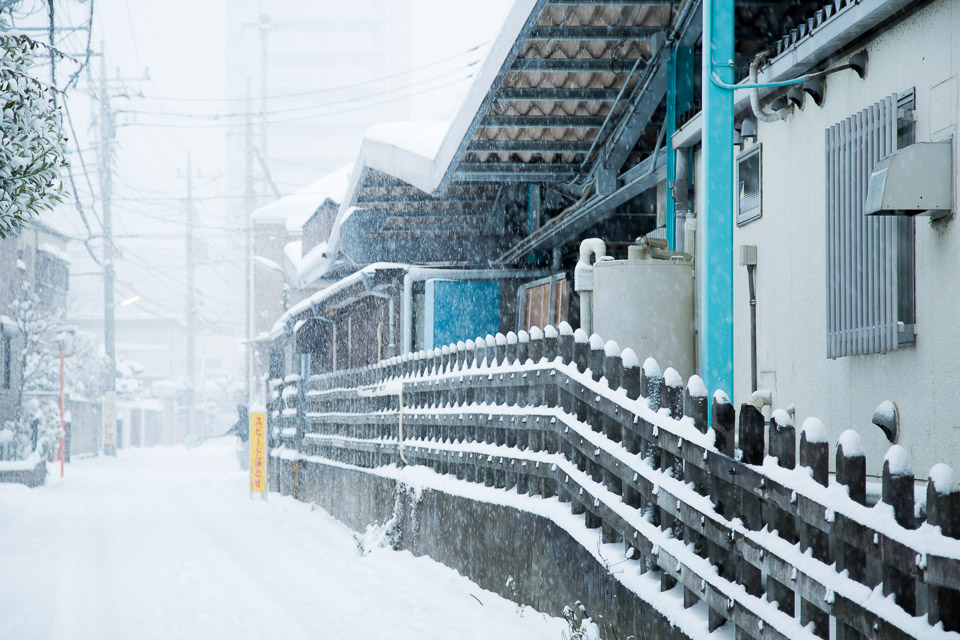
258 452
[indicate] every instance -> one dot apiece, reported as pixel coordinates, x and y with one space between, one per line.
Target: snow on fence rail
765 539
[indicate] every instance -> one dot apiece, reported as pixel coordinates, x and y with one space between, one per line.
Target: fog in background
177 76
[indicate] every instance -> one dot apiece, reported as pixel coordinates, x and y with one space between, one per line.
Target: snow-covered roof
292 254
55 251
8 324
293 210
328 292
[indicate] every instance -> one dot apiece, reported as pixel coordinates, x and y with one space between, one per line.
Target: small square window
748 186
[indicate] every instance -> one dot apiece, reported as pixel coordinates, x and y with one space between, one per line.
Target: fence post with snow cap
489 390
783 439
445 358
724 420
651 384
630 381
695 408
751 433
695 402
897 492
595 357
815 456
500 340
551 350
815 450
613 372
673 393
535 379
566 347
566 341
943 510
512 388
523 346
469 363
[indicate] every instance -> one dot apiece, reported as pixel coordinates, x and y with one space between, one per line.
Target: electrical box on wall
748 186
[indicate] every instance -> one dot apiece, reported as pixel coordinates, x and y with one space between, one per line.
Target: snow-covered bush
579 625
32 143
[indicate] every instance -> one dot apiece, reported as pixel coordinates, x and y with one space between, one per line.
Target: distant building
34 256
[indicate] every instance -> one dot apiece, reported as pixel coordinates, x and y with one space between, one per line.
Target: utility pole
190 300
249 202
265 25
109 334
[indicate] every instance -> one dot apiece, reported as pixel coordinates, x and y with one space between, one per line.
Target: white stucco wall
921 52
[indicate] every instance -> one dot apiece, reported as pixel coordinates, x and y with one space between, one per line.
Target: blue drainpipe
671 156
715 273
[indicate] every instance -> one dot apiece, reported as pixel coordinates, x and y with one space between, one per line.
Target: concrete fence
744 516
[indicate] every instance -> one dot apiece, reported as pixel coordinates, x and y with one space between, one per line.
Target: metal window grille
870 261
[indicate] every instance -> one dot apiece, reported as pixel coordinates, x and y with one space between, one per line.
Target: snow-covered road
165 543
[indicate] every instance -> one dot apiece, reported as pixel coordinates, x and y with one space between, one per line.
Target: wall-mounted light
814 87
748 128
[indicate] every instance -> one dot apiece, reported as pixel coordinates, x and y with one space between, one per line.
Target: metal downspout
716 274
671 125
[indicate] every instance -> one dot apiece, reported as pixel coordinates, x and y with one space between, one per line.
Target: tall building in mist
329 70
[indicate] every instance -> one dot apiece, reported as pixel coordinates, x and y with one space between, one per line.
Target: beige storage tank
647 304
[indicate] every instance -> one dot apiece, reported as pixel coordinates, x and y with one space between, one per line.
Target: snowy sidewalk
165 543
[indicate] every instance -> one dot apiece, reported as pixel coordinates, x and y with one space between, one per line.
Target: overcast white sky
174 52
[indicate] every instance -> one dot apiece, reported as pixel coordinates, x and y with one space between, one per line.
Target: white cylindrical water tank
647 305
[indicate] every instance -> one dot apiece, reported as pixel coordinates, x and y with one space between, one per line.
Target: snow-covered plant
32 143
36 324
579 624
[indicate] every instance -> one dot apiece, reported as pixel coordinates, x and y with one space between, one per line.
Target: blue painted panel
459 310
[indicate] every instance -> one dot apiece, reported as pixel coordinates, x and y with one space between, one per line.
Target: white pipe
762 114
417 274
392 346
583 279
690 235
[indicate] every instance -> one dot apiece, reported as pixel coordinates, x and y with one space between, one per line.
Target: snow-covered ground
165 543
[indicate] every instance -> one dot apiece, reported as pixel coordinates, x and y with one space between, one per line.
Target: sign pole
63 428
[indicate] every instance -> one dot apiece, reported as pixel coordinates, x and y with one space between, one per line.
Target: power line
330 89
318 116
243 114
